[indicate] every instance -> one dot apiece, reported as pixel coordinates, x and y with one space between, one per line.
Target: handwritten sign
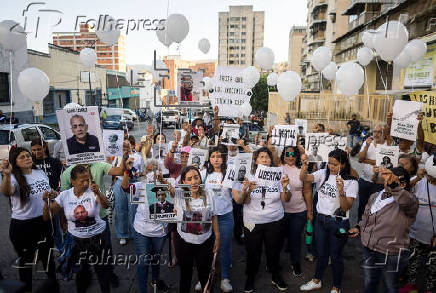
284 135
319 145
429 108
268 176
404 121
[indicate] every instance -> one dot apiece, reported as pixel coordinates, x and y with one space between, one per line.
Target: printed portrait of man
314 157
196 161
241 173
386 162
81 141
162 206
82 218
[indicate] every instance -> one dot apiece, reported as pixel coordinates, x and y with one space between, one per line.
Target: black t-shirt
52 168
354 126
91 145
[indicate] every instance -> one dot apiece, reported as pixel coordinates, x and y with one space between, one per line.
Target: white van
121 111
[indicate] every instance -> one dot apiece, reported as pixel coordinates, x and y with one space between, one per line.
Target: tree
259 98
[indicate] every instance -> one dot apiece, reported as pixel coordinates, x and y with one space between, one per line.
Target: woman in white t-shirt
81 205
263 212
337 190
30 235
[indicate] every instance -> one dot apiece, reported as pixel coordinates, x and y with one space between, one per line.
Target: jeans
352 142
329 245
366 189
376 266
124 212
294 226
149 252
225 223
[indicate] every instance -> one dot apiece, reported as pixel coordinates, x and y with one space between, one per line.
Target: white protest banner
242 165
268 176
404 119
387 156
160 151
230 172
230 134
113 142
284 135
198 156
319 145
81 135
302 126
229 92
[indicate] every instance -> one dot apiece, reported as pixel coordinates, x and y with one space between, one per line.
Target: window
242 40
30 134
243 48
231 33
244 26
243 33
4 87
4 137
242 61
244 18
49 134
234 18
243 55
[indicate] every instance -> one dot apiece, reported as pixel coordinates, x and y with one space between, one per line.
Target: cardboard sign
387 156
319 145
284 135
404 121
198 157
230 134
429 108
113 142
268 176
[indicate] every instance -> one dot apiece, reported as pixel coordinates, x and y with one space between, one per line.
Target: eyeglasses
290 154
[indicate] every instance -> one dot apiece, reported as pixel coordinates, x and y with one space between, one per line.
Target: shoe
198 287
249 285
309 257
296 269
335 291
113 279
226 286
279 283
160 285
311 285
123 241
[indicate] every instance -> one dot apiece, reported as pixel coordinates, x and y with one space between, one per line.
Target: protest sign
198 156
230 172
268 176
404 119
319 145
230 134
429 108
284 135
160 151
81 135
229 92
242 166
387 156
189 87
302 126
113 142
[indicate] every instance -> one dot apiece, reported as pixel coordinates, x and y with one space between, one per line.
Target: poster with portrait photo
189 87
160 203
113 142
81 135
198 157
302 126
387 156
242 165
160 151
404 119
196 214
230 134
268 176
284 135
319 145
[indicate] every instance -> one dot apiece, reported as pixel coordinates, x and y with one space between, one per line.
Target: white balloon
88 57
416 49
289 85
264 58
208 83
162 35
321 58
108 33
178 27
272 78
389 45
349 78
33 83
72 106
204 45
250 76
430 166
132 73
364 56
403 59
368 38
12 39
329 72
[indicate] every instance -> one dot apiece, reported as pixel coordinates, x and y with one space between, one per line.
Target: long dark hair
256 154
413 162
18 173
38 141
156 135
297 156
342 157
209 167
201 191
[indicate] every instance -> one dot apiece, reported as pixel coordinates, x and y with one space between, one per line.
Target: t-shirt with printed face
82 213
272 211
328 194
191 211
33 207
221 195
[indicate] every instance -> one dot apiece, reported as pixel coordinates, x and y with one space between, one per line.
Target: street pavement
352 279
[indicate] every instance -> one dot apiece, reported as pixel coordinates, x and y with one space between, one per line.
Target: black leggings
29 238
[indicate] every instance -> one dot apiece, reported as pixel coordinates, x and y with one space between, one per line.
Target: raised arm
7 188
304 176
216 121
54 207
420 137
101 198
285 196
243 196
362 154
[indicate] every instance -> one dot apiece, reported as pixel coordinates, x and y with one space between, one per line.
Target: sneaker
198 287
249 285
113 279
123 241
311 285
335 291
279 283
226 286
309 257
160 285
296 269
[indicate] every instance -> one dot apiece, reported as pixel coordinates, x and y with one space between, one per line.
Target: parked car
121 111
170 117
253 129
23 134
117 122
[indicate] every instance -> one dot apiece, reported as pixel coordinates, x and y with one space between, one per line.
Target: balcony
361 19
319 3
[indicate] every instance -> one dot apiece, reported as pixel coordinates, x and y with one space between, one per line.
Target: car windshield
114 117
4 137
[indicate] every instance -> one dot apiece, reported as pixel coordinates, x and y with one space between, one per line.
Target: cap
185 149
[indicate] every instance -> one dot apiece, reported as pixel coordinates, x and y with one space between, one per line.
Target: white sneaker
198 287
123 241
226 286
311 285
335 291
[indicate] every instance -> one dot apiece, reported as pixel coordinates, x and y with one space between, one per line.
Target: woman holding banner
263 212
337 190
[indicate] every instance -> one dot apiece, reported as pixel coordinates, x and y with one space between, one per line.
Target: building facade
241 33
119 92
295 45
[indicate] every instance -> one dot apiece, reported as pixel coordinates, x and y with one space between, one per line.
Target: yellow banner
429 121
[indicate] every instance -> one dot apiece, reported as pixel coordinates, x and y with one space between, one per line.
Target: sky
202 15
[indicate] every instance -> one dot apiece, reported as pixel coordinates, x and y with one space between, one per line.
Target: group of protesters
70 208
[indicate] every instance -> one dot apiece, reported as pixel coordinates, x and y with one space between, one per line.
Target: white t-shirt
161 163
142 223
328 194
221 196
253 211
195 233
367 169
38 183
82 213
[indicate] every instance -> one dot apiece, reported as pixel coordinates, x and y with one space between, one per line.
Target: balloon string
12 94
384 84
369 101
